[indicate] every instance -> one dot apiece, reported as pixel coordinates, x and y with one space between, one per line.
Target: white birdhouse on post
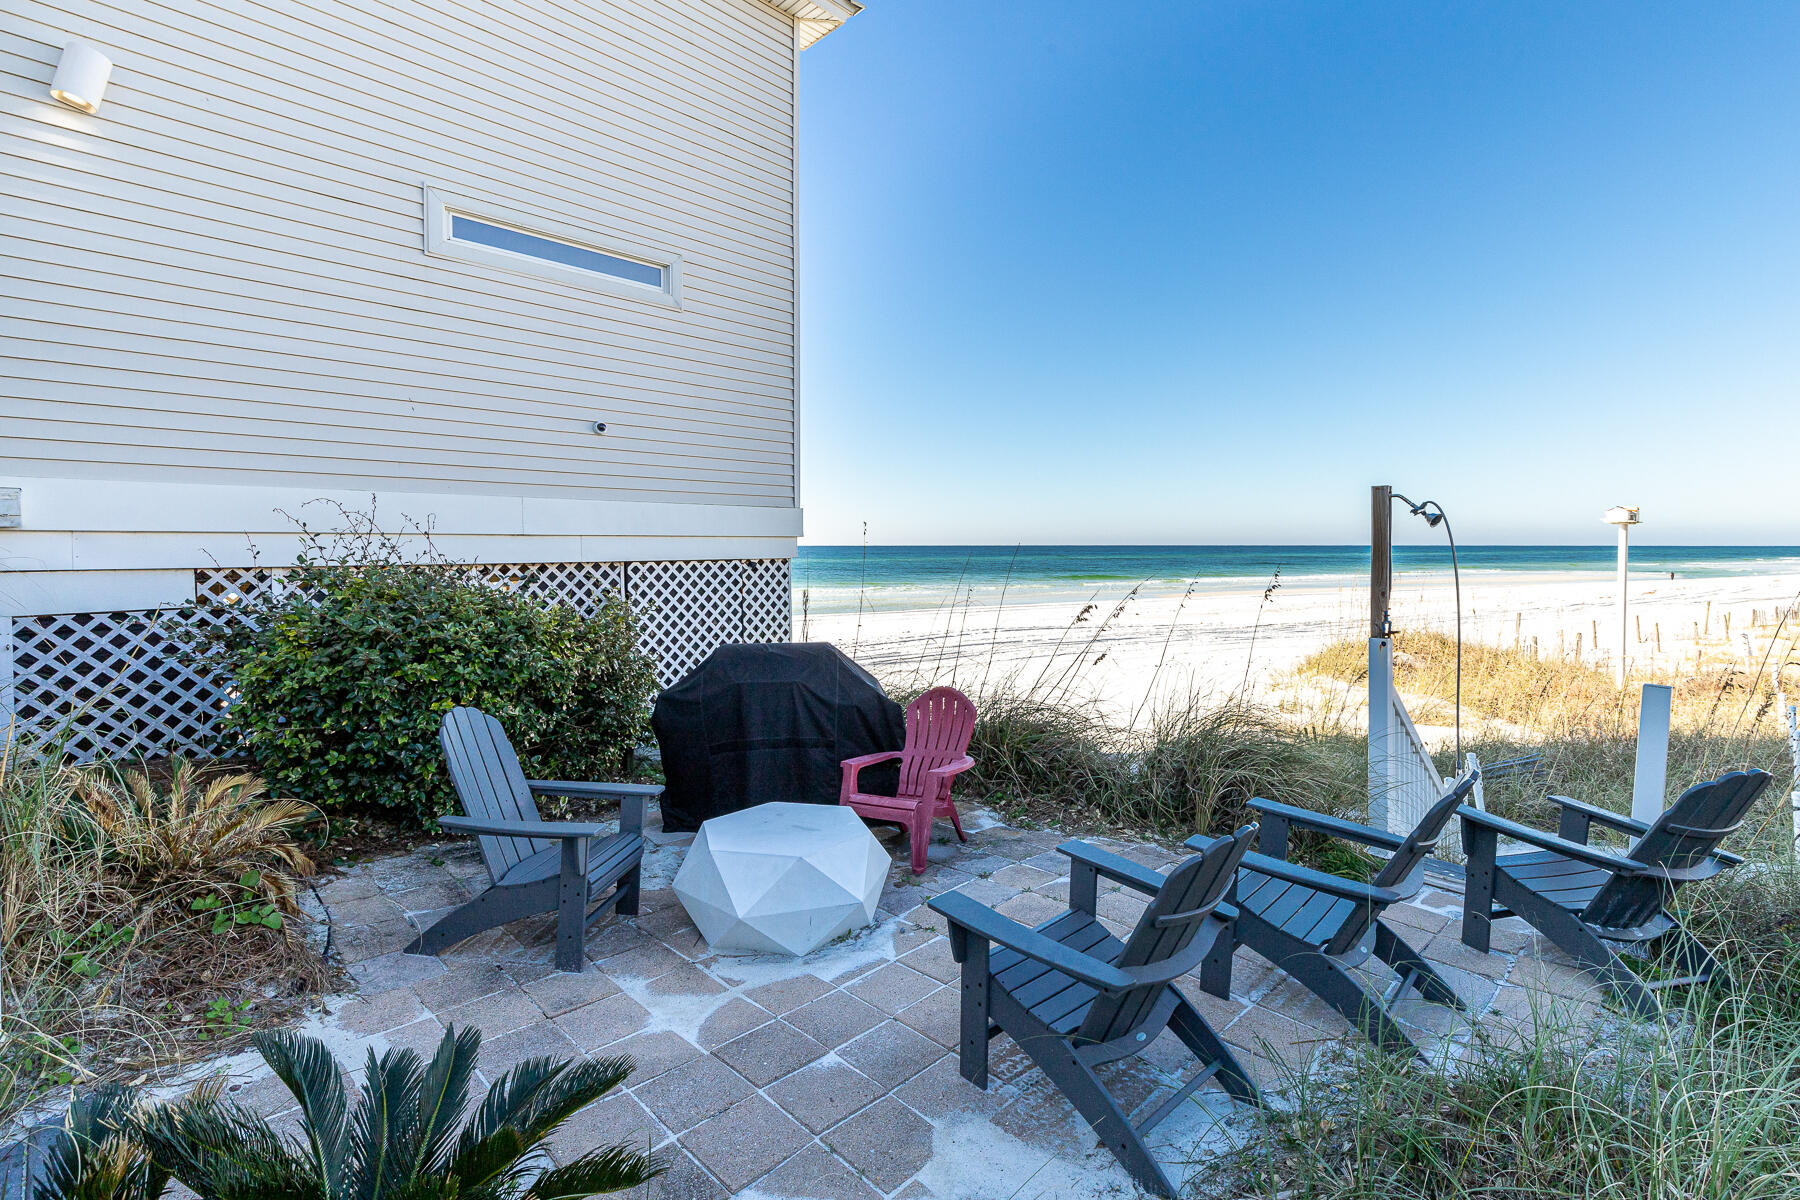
1624 517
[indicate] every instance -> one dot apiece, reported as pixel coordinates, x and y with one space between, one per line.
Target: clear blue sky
1197 272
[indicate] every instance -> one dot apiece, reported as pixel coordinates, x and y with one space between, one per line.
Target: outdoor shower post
1381 557
1381 660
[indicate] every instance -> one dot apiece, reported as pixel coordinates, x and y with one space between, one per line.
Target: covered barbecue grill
755 724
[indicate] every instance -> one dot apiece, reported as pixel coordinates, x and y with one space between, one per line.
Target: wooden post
1381 557
1381 652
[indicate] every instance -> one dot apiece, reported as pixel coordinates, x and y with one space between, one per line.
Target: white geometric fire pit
782 878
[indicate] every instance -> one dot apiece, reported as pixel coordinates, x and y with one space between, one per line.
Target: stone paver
543 1040
887 1141
559 991
834 1019
891 1053
784 995
604 1021
462 984
381 1011
893 987
835 1076
422 1036
390 968
816 1174
652 1053
824 1093
495 1014
618 1120
766 1054
938 1016
736 1017
745 1141
940 1091
692 1093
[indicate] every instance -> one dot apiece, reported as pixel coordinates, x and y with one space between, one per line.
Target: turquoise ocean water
835 578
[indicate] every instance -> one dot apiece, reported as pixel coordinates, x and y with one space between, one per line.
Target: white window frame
441 204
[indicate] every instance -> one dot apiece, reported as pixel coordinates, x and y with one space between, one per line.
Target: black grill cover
754 724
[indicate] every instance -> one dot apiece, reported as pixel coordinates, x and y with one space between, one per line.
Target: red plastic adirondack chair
938 727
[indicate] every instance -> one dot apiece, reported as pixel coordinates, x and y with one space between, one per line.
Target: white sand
1205 642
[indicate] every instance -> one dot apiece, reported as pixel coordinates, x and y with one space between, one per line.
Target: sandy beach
1226 639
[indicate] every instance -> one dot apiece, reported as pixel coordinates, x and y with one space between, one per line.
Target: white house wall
220 279
217 314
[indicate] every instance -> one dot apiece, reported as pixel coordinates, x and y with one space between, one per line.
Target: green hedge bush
341 678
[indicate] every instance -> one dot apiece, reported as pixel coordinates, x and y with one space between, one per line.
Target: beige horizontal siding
224 271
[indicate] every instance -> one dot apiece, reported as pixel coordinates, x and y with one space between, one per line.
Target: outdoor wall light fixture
81 76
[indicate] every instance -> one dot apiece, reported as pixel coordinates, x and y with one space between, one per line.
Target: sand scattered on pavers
1020 1139
864 948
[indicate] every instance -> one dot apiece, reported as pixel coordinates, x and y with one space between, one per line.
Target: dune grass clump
1554 694
1183 768
131 909
1705 1105
1198 765
1574 715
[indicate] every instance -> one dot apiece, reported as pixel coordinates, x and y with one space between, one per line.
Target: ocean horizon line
830 577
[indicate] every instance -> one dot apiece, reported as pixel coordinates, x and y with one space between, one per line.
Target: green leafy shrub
341 676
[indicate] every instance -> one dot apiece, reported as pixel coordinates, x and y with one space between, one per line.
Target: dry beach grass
1723 716
143 917
1704 1105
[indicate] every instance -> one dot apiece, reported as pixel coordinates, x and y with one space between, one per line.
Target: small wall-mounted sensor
10 516
599 426
81 76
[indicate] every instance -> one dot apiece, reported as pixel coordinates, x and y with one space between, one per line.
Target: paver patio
834 1076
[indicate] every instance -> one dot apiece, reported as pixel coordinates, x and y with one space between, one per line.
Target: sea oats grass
119 892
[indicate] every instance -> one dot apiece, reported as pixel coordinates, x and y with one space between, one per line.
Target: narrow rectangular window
486 238
517 241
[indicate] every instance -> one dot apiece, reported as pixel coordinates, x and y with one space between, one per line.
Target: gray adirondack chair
534 866
1316 926
1075 997
1596 905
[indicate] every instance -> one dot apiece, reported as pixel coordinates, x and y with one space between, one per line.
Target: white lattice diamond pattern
685 610
581 586
768 601
224 586
111 684
114 683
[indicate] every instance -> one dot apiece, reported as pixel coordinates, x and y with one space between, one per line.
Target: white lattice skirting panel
114 684
687 608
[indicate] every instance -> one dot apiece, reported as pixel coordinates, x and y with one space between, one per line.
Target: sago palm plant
95 1155
197 833
405 1138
